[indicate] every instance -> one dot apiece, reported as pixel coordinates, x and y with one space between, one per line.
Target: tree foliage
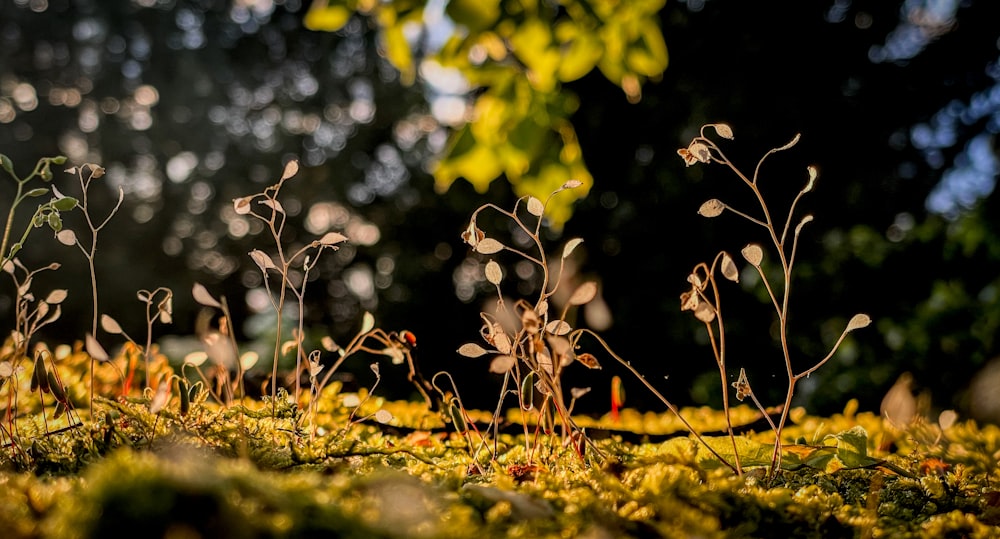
516 58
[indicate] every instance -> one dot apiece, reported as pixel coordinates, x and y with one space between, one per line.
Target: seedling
164 311
46 214
703 299
530 342
86 174
293 268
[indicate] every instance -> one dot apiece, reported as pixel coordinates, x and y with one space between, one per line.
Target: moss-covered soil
355 465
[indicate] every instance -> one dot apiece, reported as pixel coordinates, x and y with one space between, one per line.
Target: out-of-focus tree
515 58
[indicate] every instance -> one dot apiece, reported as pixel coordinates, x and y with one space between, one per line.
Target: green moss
240 471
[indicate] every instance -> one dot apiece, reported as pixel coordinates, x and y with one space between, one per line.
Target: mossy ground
272 469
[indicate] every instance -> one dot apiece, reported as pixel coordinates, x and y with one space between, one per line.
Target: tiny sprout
572 184
578 392
712 208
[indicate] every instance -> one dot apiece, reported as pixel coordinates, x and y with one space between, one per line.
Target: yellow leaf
397 50
326 18
476 15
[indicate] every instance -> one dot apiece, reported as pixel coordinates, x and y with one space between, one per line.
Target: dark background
894 101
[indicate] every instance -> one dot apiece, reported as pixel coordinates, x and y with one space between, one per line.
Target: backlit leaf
584 293
66 237
489 246
558 327
56 296
858 321
367 322
110 325
262 260
502 364
493 272
291 169
570 246
332 238
202 296
472 350
724 131
753 254
535 207
195 359
711 208
729 270
94 348
241 205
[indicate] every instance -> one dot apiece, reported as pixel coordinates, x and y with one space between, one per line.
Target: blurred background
189 104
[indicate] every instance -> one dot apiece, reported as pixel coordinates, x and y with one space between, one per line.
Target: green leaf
59 159
55 222
37 192
64 204
476 15
7 165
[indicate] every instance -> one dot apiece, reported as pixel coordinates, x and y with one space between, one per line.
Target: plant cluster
530 341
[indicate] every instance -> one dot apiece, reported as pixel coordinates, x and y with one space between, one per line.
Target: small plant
398 346
293 268
220 346
45 214
531 343
86 174
703 299
164 312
